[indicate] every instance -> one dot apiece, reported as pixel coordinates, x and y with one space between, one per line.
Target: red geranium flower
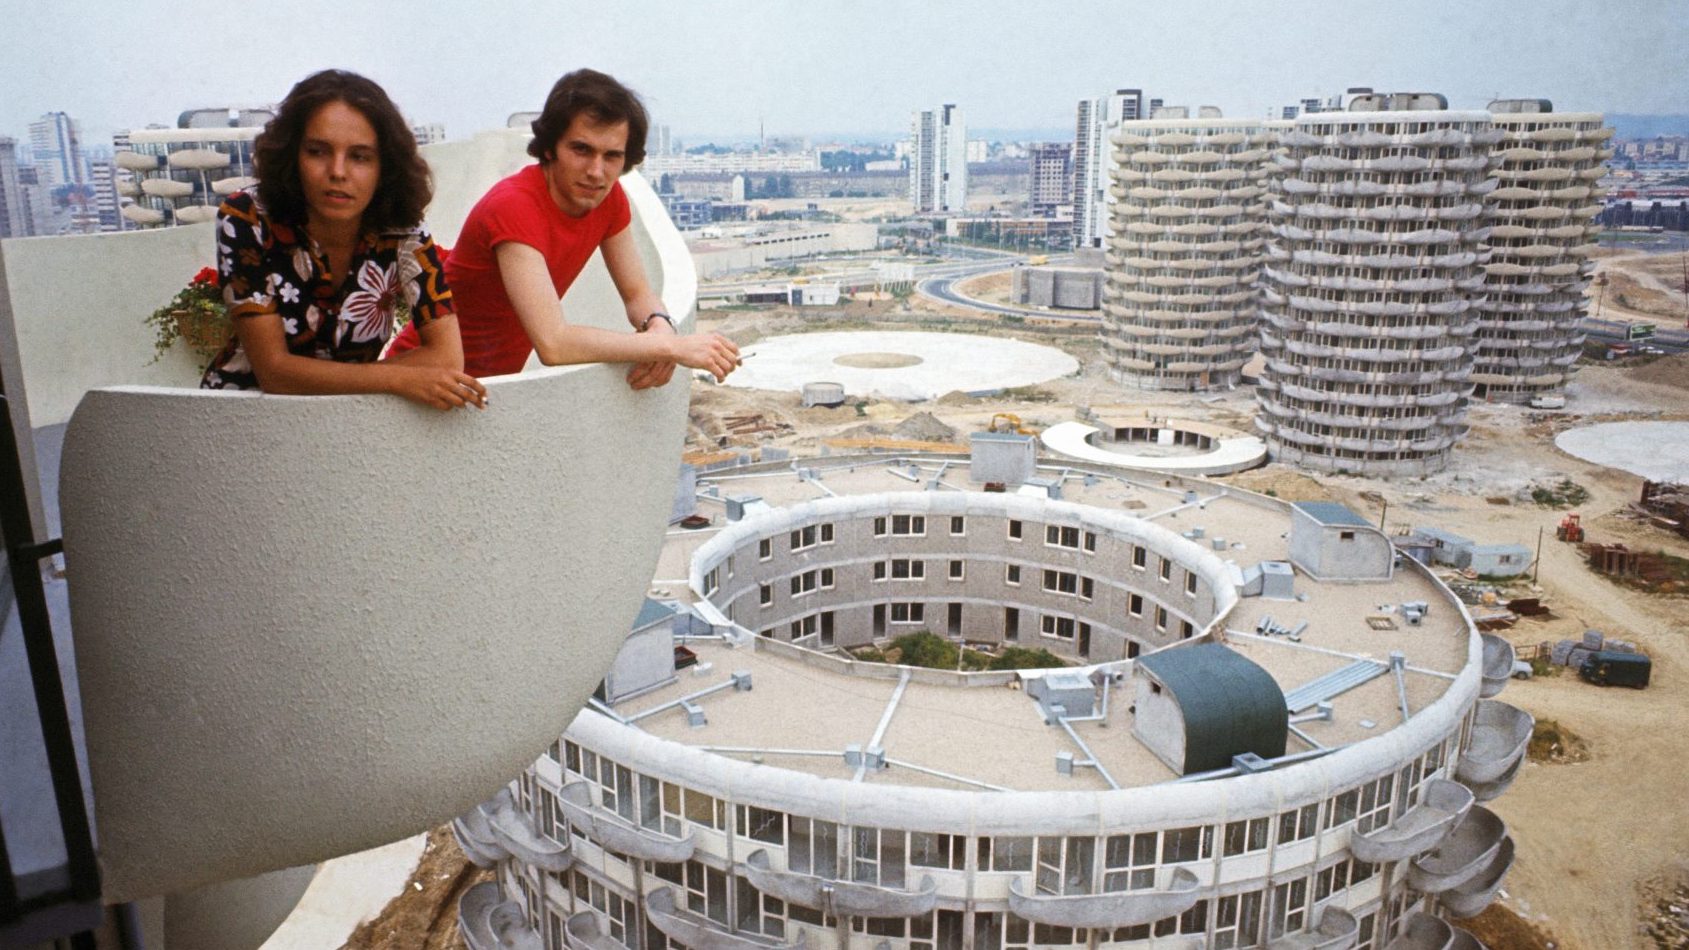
207 276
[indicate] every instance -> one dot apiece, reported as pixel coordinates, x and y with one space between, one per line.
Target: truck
1611 668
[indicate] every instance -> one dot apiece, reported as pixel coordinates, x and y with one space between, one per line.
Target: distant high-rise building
661 141
1179 303
427 133
55 143
35 202
938 160
1093 161
1050 191
12 216
102 179
1542 232
1376 231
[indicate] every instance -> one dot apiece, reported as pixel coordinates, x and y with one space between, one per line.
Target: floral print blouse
269 267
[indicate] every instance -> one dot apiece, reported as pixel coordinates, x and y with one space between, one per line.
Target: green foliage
1021 658
1565 494
925 648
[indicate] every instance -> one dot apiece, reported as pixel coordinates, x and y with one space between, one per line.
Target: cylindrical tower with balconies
1542 233
1179 301
1372 280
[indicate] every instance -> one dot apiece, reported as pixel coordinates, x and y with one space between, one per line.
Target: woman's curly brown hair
405 187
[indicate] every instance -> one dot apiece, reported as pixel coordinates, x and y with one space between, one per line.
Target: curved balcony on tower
615 833
1468 850
1176 891
1442 805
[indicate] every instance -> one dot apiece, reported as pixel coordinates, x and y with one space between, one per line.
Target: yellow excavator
1009 422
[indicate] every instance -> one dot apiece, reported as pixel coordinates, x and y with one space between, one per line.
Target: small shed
1454 550
1498 560
1199 705
646 659
1332 543
1005 457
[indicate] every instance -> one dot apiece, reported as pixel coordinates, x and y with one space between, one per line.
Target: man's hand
443 389
711 352
656 373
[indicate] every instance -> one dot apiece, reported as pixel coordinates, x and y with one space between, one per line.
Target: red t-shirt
519 209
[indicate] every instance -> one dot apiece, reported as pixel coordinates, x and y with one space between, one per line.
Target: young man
527 239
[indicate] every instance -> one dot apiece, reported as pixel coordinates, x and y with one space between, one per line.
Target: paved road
1668 337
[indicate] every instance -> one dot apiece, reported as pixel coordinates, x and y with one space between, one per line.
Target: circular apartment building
1265 732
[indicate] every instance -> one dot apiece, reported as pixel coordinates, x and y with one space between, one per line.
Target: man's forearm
643 306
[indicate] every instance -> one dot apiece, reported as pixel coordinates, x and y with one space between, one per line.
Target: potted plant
195 315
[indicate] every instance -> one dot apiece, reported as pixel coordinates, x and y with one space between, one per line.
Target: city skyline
832 68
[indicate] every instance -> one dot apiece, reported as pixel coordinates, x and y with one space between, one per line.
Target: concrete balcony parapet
840 898
1337 929
1176 891
1442 805
515 832
701 933
1424 932
1466 852
1500 733
489 922
616 834
474 834
410 645
1469 899
584 934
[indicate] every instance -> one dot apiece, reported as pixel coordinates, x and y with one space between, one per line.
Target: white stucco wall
311 625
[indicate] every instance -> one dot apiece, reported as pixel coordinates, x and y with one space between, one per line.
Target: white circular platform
1658 451
909 366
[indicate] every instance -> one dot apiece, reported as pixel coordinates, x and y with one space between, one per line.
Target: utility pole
1536 571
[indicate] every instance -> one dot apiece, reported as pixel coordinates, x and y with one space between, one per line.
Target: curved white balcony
584 934
489 922
1423 932
1467 850
840 898
1176 891
699 933
1464 941
307 626
475 838
1471 898
1500 734
515 832
615 834
1491 790
1337 930
1442 805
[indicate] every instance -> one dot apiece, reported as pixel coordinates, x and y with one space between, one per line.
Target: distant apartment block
427 133
938 163
181 175
755 162
55 143
1374 271
1093 159
1050 185
1542 232
1180 301
1316 104
12 218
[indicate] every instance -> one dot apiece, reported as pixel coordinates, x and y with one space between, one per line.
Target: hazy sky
711 68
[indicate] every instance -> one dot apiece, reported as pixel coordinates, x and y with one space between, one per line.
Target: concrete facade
794 796
1542 232
1093 161
1374 269
1179 300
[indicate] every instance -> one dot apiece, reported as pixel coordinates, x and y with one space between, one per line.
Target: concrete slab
1234 454
908 366
1658 451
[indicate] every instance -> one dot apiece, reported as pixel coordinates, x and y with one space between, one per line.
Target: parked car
1611 668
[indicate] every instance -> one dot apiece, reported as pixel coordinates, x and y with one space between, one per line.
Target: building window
1061 537
1179 845
956 570
908 613
1051 625
761 824
812 847
712 581
1345 535
803 583
879 570
908 569
1139 557
1161 618
1166 570
1135 605
1005 853
879 527
1061 582
765 594
1086 588
1129 862
1091 541
1185 629
826 578
827 533
1014 530
958 525
804 538
1066 865
1011 575
1190 583
929 850
878 856
1298 824
1243 837
765 549
908 525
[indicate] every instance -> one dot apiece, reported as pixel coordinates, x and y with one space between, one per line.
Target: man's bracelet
659 315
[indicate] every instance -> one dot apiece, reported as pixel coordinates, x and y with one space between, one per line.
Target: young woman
315 258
